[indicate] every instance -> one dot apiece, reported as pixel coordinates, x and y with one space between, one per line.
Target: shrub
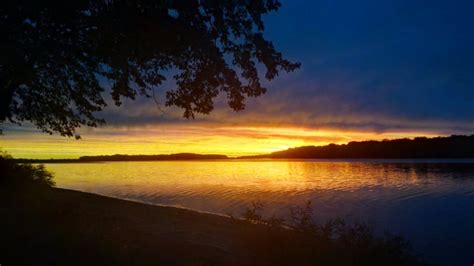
23 174
301 241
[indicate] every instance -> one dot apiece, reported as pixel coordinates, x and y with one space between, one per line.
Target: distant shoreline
230 159
130 158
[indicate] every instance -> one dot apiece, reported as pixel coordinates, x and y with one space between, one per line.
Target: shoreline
154 204
54 226
468 160
133 229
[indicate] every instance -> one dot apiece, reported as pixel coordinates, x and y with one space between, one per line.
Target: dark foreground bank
63 227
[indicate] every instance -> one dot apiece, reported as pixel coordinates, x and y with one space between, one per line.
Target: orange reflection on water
275 176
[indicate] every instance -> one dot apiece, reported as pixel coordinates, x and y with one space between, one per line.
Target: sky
370 70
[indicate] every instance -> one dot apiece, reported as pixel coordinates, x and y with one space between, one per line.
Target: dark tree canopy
54 55
455 146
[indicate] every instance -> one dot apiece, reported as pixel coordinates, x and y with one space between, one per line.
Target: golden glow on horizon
232 141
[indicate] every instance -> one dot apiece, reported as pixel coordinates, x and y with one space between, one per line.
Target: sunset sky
370 70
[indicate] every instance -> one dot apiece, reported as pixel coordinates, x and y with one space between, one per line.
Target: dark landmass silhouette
455 146
159 157
125 157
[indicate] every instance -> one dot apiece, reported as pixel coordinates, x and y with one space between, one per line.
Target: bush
23 175
299 240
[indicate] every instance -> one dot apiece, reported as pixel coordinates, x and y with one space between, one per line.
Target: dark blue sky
392 65
400 60
366 65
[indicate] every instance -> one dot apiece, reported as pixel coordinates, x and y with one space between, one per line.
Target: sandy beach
53 226
93 229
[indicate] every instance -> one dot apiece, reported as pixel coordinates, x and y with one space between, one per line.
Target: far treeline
160 157
125 157
455 146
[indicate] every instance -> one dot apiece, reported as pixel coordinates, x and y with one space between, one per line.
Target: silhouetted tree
455 146
56 56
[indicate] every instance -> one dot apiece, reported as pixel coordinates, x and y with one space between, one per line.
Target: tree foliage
455 146
23 175
57 56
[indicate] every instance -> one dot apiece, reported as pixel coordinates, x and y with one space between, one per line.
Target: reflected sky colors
220 186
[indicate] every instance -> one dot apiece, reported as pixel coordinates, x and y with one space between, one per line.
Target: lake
430 202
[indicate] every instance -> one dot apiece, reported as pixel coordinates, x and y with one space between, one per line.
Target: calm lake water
430 202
